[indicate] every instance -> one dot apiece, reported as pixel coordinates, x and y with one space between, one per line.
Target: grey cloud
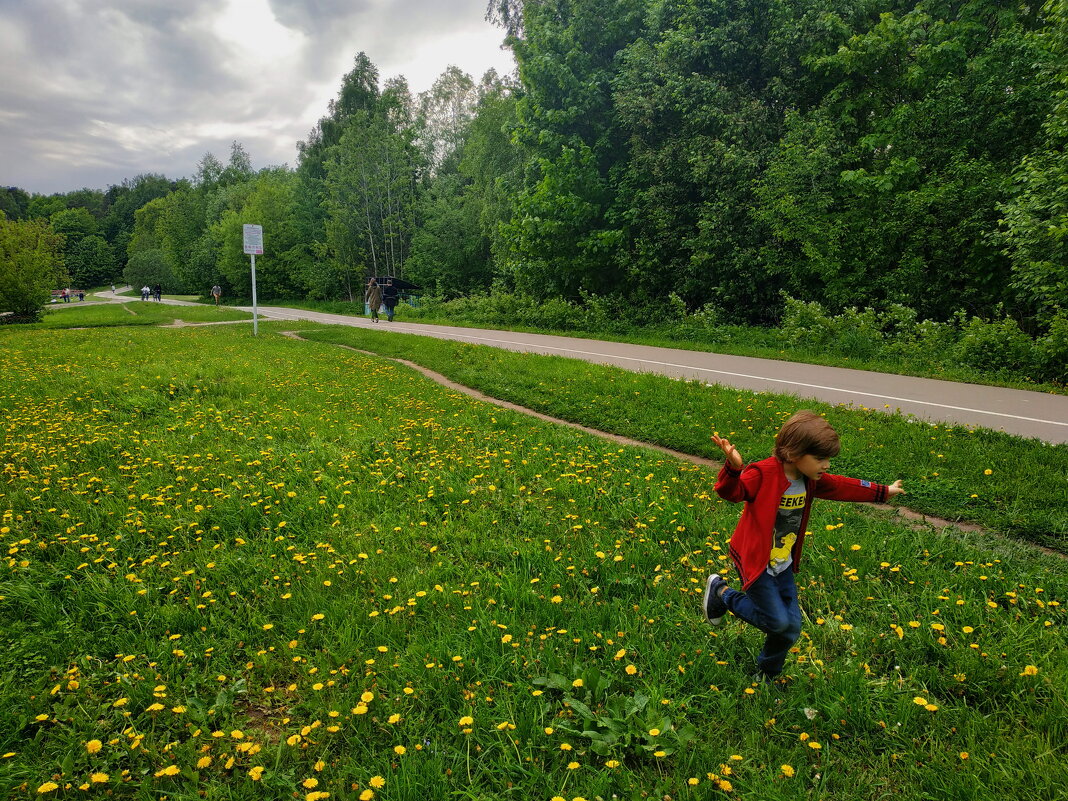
96 92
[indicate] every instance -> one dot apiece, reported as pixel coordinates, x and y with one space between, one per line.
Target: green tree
89 259
31 266
370 192
14 202
359 93
1036 219
149 268
560 240
887 188
123 201
269 203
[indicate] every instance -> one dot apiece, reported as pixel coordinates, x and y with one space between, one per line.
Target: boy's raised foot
713 604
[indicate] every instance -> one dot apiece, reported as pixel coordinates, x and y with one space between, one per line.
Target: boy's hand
729 451
895 489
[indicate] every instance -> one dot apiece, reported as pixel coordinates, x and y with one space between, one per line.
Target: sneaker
713 604
772 683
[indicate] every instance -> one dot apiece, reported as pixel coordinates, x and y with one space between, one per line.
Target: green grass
215 545
132 313
945 468
737 340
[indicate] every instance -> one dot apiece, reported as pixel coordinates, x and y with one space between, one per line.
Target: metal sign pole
252 236
255 319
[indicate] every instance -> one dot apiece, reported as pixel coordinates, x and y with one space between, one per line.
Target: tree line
724 153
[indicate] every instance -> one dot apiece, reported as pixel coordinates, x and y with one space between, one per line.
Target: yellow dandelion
93 746
256 773
787 771
400 750
203 762
577 683
1029 670
99 778
377 782
310 783
572 765
47 787
367 795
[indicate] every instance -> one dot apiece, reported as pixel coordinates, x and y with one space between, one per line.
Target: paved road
1028 414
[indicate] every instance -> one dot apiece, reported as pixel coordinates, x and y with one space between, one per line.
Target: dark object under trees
399 283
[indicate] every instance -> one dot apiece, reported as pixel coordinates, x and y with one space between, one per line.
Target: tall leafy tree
269 203
89 259
888 188
31 266
14 202
559 239
123 202
1036 218
359 93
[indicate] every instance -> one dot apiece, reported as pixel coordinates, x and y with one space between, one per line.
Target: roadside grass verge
737 340
252 568
1006 483
132 313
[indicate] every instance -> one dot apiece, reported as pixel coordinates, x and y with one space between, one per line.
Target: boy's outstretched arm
733 458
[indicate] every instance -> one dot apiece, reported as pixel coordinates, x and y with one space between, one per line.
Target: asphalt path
1037 415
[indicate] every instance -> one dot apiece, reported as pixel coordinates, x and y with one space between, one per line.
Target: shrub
1052 349
995 346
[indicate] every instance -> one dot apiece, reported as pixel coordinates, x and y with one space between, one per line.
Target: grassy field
252 568
135 312
952 472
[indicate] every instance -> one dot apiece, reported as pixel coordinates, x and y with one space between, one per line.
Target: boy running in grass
766 545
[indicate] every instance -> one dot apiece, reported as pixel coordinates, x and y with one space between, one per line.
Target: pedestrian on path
373 298
216 292
766 545
157 292
390 296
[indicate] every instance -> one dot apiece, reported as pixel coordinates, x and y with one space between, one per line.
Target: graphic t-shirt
787 526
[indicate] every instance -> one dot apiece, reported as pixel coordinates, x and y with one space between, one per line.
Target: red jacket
761 485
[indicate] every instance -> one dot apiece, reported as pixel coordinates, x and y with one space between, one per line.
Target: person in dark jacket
390 296
767 542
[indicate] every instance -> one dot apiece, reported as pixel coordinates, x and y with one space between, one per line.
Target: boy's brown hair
806 432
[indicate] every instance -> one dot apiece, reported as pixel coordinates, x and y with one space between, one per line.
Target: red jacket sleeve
843 488
738 485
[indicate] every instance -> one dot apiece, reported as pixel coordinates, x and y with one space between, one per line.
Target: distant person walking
390 296
216 292
373 298
158 292
145 292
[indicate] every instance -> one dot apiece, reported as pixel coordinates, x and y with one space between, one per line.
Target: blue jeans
771 605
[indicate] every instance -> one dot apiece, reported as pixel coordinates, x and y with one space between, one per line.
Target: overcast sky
96 91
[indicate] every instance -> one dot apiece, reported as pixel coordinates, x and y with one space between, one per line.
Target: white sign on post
253 239
253 236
